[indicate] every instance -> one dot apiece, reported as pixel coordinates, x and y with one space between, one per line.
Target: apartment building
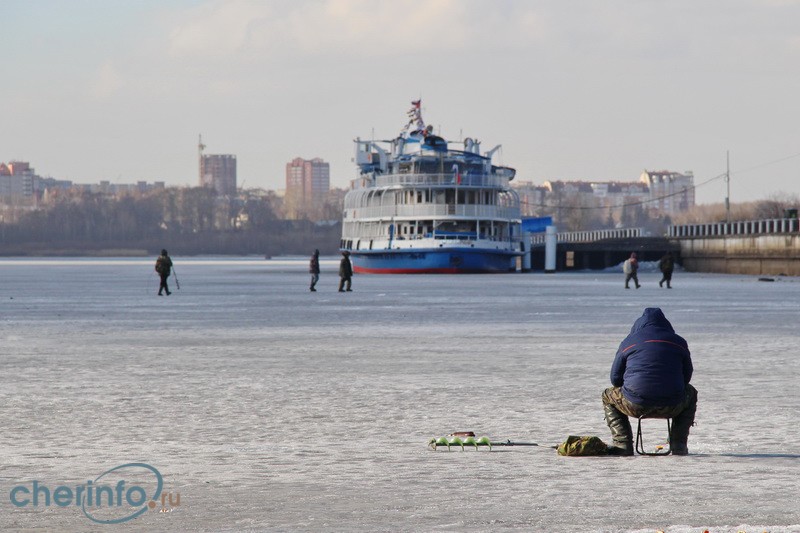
670 192
307 184
218 171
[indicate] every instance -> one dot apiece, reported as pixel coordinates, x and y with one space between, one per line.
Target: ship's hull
433 261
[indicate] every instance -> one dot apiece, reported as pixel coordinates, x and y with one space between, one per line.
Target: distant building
670 192
531 198
619 193
307 186
661 192
218 171
114 189
16 168
18 180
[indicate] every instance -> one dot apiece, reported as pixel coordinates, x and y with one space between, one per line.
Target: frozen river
267 407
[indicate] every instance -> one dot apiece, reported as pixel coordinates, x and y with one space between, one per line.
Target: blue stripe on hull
449 261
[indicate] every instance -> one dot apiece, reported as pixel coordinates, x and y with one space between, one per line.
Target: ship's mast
414 118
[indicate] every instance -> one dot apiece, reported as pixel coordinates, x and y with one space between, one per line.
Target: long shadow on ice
750 455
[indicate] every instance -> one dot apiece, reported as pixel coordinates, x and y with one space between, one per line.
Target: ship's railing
363 235
447 179
741 227
434 211
380 242
588 236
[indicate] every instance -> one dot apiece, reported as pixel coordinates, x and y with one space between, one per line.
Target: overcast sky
594 90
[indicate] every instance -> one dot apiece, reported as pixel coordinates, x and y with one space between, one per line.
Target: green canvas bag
576 446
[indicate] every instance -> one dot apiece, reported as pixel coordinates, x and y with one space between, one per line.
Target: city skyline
98 90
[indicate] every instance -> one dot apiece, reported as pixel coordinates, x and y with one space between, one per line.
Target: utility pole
728 185
200 148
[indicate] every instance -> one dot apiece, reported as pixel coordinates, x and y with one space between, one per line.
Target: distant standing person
345 272
666 265
630 267
313 268
164 268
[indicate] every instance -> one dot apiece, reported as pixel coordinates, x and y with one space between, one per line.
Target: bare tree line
188 221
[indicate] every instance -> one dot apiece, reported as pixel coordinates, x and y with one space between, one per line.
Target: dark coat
667 263
164 266
345 268
313 265
653 363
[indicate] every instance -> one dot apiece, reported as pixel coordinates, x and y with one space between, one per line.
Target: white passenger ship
420 206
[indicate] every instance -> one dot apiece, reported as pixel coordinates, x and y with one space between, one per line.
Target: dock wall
759 247
775 254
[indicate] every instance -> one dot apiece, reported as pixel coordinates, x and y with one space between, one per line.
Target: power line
762 165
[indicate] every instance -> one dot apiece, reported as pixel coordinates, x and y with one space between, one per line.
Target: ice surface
272 408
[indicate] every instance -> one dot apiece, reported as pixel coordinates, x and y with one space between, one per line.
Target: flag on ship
457 173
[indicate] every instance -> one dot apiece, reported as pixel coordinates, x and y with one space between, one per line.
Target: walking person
313 268
630 267
164 268
666 265
650 378
345 272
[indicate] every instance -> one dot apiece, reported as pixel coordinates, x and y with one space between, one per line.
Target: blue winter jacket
653 363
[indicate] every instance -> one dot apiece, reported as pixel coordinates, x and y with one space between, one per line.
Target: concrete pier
772 255
759 247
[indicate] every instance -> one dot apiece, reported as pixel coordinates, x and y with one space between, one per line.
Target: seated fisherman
650 377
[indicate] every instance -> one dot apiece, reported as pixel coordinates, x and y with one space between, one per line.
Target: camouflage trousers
613 396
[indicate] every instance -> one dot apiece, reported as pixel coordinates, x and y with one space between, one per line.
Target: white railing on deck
425 180
742 227
588 236
433 211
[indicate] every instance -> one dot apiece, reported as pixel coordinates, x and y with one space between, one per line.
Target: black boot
621 432
680 430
